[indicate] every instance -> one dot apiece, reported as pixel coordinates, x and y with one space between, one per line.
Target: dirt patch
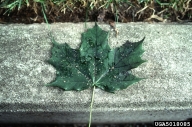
124 13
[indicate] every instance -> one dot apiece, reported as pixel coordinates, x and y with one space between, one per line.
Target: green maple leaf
95 63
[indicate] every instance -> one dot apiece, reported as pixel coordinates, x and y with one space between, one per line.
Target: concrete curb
164 95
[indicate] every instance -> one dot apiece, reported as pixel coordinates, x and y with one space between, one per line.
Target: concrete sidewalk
166 94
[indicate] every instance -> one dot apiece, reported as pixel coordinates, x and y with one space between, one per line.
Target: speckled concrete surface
164 95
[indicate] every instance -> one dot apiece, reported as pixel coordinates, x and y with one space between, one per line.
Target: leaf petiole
90 113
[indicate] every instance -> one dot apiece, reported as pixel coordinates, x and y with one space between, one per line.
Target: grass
10 5
180 9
